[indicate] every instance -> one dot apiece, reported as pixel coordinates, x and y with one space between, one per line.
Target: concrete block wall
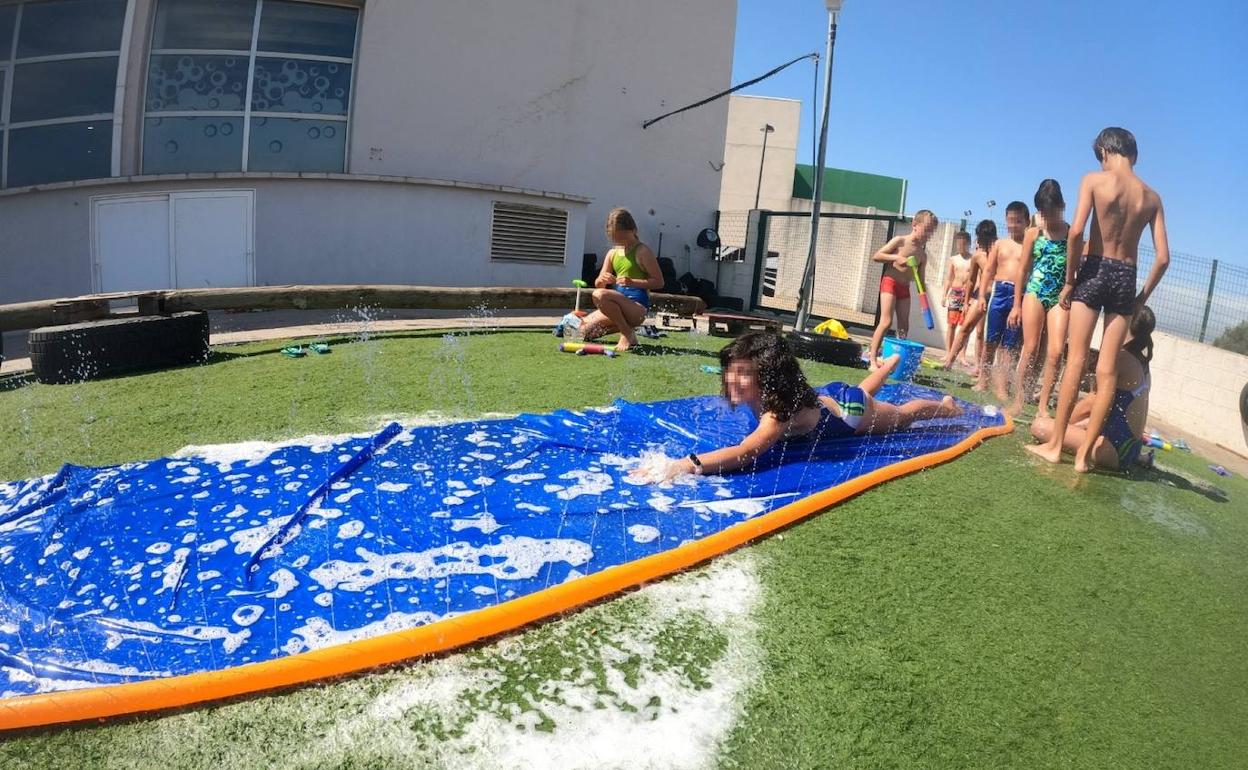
1197 387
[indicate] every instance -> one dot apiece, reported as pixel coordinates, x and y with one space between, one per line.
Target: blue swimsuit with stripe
1117 430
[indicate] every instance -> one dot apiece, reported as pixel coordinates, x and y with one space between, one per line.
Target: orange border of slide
157 694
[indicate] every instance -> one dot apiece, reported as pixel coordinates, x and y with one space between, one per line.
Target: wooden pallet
733 324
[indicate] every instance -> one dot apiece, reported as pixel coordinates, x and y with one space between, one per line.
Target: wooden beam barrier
31 315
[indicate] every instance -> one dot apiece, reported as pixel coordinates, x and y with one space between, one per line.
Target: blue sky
976 100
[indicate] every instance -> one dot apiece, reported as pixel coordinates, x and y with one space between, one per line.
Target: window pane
294 85
199 82
8 13
63 89
71 26
287 144
320 30
178 145
43 154
218 24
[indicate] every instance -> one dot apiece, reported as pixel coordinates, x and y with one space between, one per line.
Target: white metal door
132 243
212 238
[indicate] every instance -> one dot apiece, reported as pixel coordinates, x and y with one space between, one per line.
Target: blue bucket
911 353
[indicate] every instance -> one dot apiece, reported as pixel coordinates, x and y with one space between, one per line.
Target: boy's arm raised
1161 245
1074 241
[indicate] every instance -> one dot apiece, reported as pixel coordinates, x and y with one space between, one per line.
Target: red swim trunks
889 285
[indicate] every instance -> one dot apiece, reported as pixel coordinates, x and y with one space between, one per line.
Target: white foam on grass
649 716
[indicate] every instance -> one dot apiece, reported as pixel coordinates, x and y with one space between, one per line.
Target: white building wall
552 95
308 230
743 153
546 96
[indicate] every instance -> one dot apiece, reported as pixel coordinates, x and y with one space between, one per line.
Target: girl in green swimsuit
622 290
1041 275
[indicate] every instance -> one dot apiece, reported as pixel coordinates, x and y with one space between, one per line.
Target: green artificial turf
990 612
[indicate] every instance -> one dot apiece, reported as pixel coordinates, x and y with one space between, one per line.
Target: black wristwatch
693 458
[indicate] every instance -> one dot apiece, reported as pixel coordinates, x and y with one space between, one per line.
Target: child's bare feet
980 386
1081 462
1047 452
950 407
625 343
1014 409
1002 395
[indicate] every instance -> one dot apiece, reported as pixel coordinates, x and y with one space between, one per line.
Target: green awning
852 188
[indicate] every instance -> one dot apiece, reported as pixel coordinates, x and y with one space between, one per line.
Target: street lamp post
805 295
766 129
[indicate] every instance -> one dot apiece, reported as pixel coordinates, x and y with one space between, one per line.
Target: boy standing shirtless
956 278
1121 206
895 283
1005 260
973 316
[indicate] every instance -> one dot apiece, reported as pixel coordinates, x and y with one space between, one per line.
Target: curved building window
249 85
58 89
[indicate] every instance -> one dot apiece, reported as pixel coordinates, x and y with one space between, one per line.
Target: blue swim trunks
853 403
998 332
640 296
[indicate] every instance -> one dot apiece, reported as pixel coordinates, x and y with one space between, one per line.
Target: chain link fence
1197 299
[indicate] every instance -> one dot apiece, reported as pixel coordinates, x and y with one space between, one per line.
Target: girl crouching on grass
761 373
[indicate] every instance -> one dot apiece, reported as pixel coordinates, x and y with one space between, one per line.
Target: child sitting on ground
1119 444
622 288
760 372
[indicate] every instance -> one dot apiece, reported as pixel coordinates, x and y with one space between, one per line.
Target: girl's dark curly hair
780 379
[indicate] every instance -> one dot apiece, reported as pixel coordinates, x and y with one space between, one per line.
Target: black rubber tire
97 349
1243 404
825 349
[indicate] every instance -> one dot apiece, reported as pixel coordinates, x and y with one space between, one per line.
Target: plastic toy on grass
572 321
832 328
918 282
320 348
587 349
708 369
1156 441
1218 469
294 351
